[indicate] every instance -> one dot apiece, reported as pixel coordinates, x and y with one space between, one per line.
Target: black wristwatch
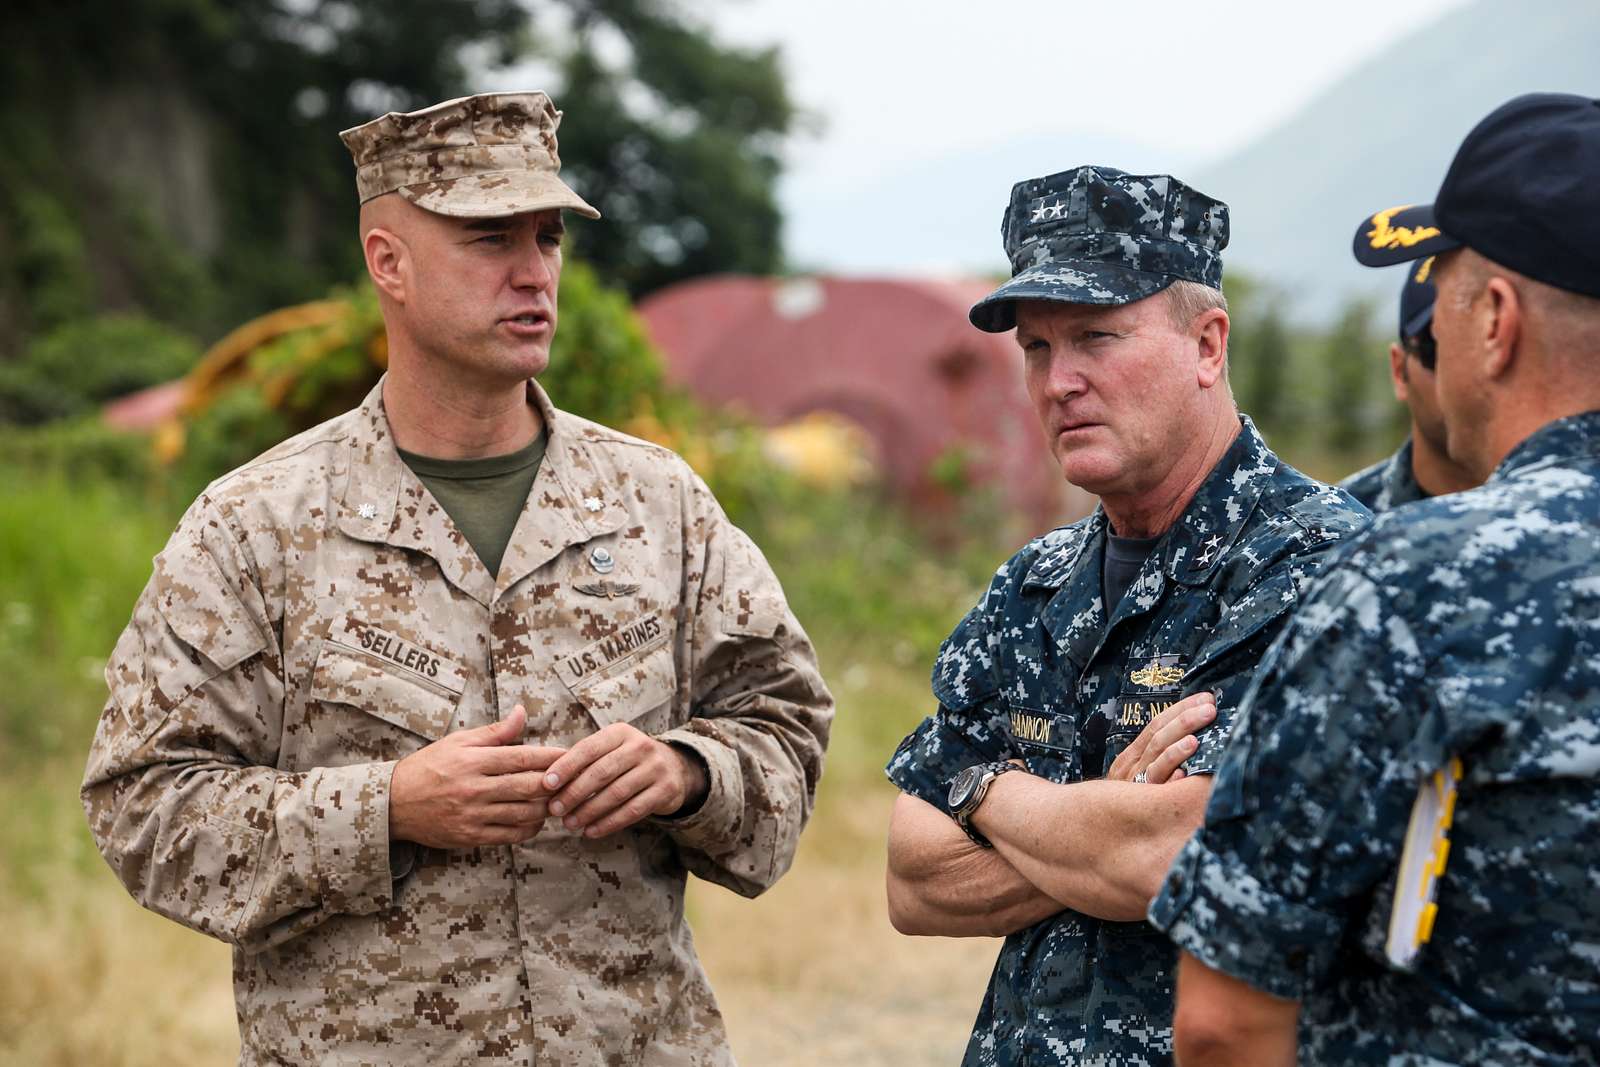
967 790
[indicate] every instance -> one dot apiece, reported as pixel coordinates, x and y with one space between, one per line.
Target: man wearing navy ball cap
1400 859
1421 467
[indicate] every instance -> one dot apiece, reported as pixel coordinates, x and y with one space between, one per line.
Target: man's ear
1502 327
1212 345
1397 371
388 262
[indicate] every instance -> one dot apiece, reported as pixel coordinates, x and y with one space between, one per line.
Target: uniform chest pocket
402 709
629 676
1151 684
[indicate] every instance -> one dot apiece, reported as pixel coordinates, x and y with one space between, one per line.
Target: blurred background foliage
177 157
165 196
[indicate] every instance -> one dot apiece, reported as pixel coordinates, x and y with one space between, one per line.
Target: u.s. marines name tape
629 639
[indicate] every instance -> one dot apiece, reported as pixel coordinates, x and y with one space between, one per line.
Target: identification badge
628 641
1152 686
1041 730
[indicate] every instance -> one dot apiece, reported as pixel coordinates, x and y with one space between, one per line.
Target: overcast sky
891 80
1166 84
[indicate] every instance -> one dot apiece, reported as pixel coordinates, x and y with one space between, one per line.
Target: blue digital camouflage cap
1097 235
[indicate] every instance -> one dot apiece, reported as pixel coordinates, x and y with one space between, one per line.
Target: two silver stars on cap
1048 211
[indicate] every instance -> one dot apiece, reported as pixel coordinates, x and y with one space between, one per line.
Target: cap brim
1398 235
496 194
1067 281
1417 323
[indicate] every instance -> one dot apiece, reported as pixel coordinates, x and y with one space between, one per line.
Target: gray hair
1186 300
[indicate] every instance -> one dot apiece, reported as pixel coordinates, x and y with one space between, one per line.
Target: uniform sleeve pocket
752 602
1262 605
205 614
963 672
423 706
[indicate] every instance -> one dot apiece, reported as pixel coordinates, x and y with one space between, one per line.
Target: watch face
962 787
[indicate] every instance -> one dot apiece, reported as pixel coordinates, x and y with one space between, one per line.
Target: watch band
963 812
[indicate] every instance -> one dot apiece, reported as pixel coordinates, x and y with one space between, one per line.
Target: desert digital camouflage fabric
1096 235
316 617
1037 671
1386 484
1464 626
483 156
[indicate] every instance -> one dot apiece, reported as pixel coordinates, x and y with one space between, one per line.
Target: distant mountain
956 201
1385 134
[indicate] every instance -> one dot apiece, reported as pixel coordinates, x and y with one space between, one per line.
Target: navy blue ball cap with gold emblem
1416 300
1398 234
1523 191
1098 235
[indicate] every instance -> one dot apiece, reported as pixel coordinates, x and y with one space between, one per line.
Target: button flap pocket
1267 601
414 702
752 602
202 610
963 673
621 677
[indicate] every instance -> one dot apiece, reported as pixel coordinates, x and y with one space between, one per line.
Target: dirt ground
811 972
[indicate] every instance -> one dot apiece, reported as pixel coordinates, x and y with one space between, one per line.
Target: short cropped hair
1186 300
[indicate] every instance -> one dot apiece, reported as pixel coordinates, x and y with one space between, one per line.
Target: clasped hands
483 786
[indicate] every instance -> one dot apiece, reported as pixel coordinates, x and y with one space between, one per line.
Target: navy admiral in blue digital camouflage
1433 715
1421 467
1104 663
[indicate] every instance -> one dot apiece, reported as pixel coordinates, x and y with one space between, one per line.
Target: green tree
1350 362
1260 355
675 140
261 86
674 137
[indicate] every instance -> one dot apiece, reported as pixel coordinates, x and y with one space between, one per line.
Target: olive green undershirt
483 497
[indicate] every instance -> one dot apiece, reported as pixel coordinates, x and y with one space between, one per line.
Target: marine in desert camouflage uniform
444 808
1462 632
1102 647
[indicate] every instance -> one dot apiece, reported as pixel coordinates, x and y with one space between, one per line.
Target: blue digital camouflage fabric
1386 484
1036 671
1095 235
1463 626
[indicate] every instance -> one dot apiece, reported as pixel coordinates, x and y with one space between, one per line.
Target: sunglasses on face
1423 348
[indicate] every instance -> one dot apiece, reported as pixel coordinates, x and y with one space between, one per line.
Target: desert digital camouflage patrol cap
1521 191
1096 235
474 157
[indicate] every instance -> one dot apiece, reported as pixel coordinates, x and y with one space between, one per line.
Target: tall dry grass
809 973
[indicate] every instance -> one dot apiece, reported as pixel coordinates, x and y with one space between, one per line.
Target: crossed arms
1100 847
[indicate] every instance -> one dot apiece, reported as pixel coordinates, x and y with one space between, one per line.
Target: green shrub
81 448
601 364
73 556
76 367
